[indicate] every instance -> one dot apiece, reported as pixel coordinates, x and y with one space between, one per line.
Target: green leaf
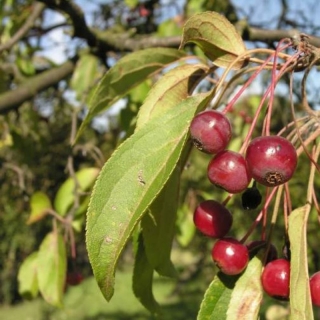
127 73
26 66
186 227
39 204
247 294
129 182
158 227
217 297
27 277
52 267
131 3
6 139
169 28
84 74
66 194
300 301
139 93
143 279
170 90
216 37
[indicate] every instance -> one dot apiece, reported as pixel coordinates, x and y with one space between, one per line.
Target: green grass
86 302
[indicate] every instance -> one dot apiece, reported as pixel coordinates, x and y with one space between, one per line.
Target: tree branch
101 44
118 42
267 35
37 9
80 27
13 99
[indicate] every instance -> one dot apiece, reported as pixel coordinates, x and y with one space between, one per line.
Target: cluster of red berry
268 160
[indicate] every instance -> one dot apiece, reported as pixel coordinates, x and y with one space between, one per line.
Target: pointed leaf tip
39 203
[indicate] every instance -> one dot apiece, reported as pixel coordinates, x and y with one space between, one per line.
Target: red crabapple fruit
229 171
315 288
230 256
74 278
212 219
210 131
275 279
271 160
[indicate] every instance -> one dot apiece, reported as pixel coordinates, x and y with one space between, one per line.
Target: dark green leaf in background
143 278
158 226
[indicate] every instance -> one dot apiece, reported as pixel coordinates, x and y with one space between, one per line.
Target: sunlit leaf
277 312
158 227
39 204
169 28
186 227
78 220
26 66
84 74
217 38
300 301
170 90
131 3
127 73
129 182
247 294
217 298
143 278
66 194
27 277
52 263
139 93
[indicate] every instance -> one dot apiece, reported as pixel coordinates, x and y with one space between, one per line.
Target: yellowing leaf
52 265
39 204
27 277
300 301
247 294
216 37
